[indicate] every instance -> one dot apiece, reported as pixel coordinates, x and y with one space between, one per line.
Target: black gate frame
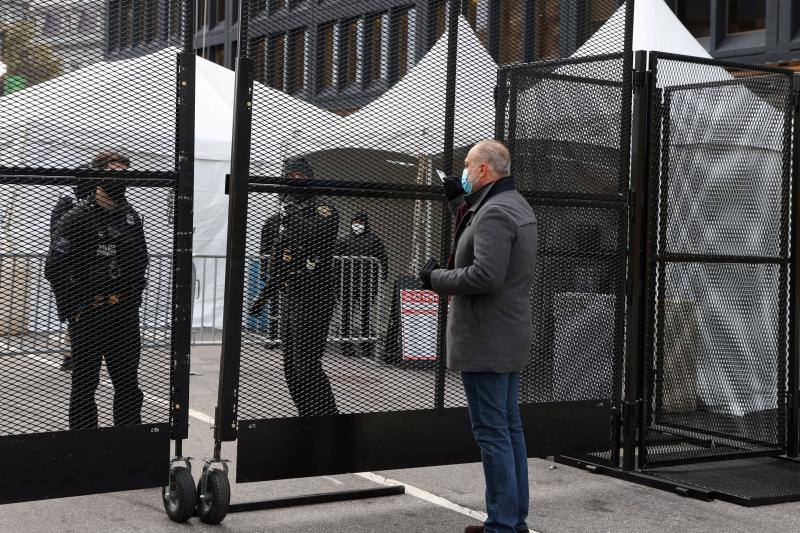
646 144
296 447
92 461
657 263
607 409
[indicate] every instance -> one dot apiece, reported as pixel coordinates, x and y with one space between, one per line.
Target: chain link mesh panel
566 126
88 183
567 123
716 369
355 106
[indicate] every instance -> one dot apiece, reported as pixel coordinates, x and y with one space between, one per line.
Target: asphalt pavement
438 499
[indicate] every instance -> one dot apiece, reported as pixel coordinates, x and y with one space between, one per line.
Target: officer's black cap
361 216
104 159
297 164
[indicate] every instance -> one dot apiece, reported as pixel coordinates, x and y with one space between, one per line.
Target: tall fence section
710 404
353 351
96 155
665 330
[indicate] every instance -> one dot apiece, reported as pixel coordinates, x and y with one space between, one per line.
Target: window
202 14
405 44
440 14
696 16
174 17
220 11
52 22
275 5
213 53
512 29
261 60
599 11
378 44
547 23
296 61
113 25
325 56
125 24
349 69
478 17
138 21
276 61
152 27
747 15
86 21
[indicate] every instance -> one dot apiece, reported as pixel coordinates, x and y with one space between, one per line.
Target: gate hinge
639 78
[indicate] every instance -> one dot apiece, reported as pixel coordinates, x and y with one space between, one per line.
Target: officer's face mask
358 229
115 191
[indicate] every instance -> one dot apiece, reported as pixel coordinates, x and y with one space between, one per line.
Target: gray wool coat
489 317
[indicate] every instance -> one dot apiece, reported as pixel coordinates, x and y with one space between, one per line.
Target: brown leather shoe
473 529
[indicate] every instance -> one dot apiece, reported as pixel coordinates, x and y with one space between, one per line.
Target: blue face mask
465 184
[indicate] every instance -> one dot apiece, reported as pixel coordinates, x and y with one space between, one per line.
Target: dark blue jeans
497 425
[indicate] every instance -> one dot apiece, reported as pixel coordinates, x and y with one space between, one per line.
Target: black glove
425 273
452 187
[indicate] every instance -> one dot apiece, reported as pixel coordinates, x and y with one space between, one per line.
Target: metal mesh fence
716 370
88 193
567 124
354 109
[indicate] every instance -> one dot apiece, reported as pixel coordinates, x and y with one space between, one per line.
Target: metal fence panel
96 118
363 149
716 366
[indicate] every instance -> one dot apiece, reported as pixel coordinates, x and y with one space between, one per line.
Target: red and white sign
419 313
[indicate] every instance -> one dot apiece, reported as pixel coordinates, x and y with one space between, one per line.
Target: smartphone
442 175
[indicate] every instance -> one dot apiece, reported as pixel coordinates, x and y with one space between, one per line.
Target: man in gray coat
489 277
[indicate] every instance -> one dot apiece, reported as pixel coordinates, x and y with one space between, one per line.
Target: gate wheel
180 497
212 505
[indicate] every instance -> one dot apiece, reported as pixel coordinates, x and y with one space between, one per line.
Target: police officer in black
269 235
302 240
362 266
96 267
83 193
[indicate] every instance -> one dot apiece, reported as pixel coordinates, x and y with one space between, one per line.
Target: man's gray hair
495 154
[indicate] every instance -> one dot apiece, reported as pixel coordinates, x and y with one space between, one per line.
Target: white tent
409 118
727 142
129 106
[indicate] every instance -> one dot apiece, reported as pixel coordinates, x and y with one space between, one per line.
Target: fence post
227 400
447 163
182 266
634 376
793 426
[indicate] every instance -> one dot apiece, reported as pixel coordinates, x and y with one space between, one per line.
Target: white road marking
147 396
375 478
426 496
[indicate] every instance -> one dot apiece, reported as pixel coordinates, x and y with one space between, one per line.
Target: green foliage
33 61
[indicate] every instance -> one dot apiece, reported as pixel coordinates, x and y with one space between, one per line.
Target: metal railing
28 318
29 322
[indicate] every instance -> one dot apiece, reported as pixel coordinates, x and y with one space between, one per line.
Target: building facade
342 55
750 31
72 28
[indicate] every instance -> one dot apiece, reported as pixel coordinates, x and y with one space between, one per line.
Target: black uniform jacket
95 255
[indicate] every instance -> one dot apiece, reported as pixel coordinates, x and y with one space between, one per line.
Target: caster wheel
213 505
181 500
